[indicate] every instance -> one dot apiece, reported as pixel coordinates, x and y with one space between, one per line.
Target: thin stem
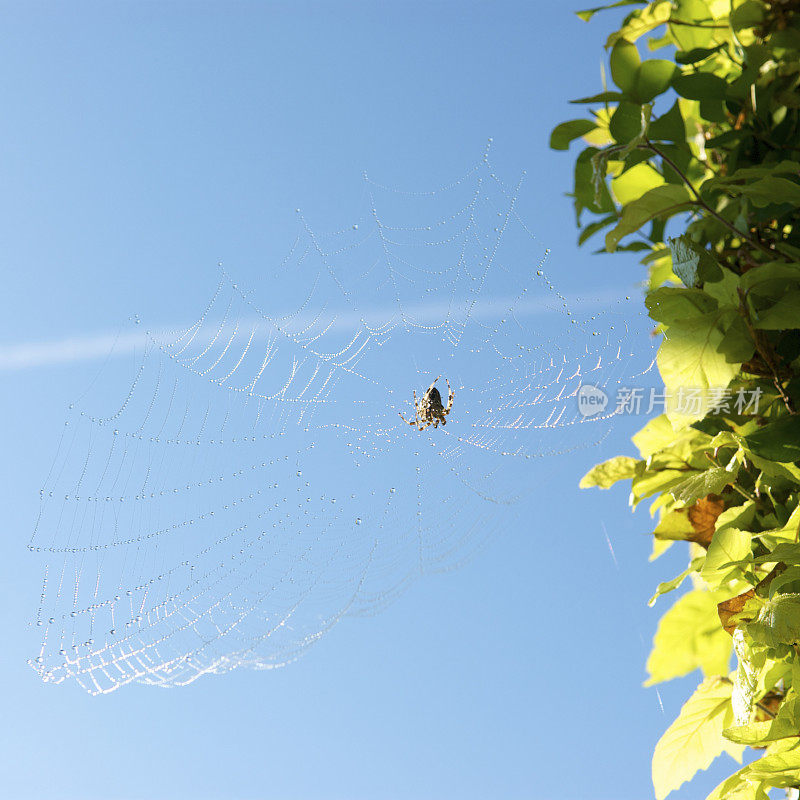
765 351
742 492
648 145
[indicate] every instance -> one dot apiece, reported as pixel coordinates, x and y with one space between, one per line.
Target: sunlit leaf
590 12
605 475
689 636
695 738
659 202
564 133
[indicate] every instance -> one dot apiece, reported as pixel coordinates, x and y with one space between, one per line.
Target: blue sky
146 142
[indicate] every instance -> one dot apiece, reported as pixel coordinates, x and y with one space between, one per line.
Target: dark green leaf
771 190
774 274
626 122
669 126
695 55
594 227
778 441
625 62
713 110
700 86
747 15
564 133
737 346
603 97
783 315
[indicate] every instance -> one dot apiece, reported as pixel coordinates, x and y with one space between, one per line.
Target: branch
648 145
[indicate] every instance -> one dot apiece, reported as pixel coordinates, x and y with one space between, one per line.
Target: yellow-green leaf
689 636
659 202
727 545
605 475
634 182
695 739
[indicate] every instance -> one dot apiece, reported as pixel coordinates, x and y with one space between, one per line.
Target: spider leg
405 420
450 397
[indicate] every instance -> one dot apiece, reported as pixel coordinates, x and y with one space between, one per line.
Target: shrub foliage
706 141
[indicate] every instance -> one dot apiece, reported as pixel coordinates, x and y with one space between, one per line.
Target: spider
429 410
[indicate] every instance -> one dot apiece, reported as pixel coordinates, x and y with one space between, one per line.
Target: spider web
254 483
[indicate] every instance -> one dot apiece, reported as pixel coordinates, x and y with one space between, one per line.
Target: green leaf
639 22
711 481
590 12
737 345
779 768
747 15
670 126
634 182
737 787
671 585
727 545
695 739
689 358
689 636
774 272
624 61
786 724
787 552
788 577
673 304
784 167
685 261
605 475
772 190
778 441
584 192
626 122
725 289
692 263
674 525
784 315
752 660
737 516
659 202
652 79
700 86
778 623
697 29
603 97
564 133
657 434
695 55
593 227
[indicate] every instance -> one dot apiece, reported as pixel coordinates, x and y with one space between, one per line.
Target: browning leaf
703 517
729 608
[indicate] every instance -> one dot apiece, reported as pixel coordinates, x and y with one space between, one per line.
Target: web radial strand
249 480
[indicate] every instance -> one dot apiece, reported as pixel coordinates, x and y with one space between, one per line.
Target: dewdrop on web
224 494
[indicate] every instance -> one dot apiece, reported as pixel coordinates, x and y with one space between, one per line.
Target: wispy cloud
93 347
